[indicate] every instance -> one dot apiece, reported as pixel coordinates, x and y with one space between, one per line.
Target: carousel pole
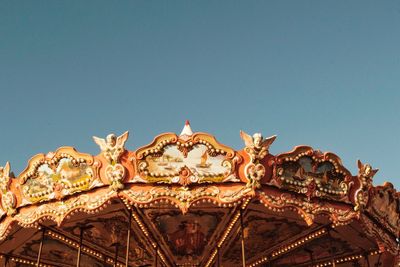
78 261
242 234
40 248
331 248
367 259
116 254
81 230
218 260
128 239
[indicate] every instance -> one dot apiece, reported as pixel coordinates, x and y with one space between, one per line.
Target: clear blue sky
321 73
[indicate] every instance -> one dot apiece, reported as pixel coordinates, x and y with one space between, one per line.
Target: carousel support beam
136 214
40 248
156 257
98 252
128 239
225 239
285 246
242 238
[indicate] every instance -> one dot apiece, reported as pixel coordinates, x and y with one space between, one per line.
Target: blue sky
321 73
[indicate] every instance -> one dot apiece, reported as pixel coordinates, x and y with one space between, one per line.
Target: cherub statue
7 197
256 145
112 147
4 177
366 172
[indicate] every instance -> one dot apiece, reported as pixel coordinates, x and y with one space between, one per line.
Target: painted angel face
257 139
367 170
111 140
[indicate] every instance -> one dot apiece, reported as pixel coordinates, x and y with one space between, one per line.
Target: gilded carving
307 210
384 206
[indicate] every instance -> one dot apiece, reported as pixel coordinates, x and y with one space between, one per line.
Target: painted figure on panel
188 239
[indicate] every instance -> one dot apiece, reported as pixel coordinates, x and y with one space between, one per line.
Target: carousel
188 200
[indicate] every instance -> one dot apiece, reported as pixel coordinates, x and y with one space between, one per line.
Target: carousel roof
187 200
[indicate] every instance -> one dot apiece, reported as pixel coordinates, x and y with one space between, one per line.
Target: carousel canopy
187 200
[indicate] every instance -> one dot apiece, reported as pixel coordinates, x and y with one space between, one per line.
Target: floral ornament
112 148
257 148
365 174
311 188
8 199
255 173
115 175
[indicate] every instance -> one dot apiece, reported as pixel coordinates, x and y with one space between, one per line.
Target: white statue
256 145
112 147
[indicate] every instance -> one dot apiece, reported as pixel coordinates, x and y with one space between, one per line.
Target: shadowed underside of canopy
187 200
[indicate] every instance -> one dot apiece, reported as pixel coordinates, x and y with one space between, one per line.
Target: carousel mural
188 200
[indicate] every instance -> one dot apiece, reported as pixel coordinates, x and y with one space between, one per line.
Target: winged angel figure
256 145
113 146
8 200
4 177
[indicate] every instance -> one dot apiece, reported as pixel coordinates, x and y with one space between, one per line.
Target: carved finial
112 146
365 170
4 177
365 174
8 200
256 145
186 131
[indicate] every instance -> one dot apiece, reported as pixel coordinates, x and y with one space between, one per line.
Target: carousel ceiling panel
263 231
106 231
188 238
317 250
56 253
